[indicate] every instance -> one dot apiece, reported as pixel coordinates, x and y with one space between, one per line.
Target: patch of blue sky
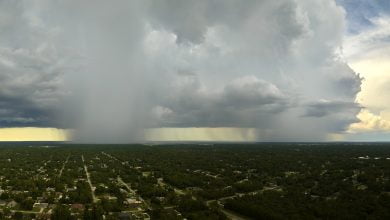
361 12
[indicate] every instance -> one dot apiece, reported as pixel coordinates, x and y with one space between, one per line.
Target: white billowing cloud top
369 53
110 69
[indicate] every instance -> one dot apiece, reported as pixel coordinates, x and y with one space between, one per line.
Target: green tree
61 212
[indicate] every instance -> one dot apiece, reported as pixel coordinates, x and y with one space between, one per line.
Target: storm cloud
113 69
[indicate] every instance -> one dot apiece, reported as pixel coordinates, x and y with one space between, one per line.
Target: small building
77 206
40 205
50 189
12 204
70 189
132 202
2 203
144 216
114 198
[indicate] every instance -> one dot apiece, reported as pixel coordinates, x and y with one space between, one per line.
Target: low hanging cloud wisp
113 69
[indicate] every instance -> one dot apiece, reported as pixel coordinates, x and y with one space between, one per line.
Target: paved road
235 196
110 156
178 191
233 216
125 184
89 181
230 214
28 212
160 182
132 191
63 166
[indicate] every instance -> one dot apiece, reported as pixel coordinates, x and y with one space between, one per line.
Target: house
40 205
132 201
58 195
12 204
77 206
144 216
146 174
112 198
50 189
70 189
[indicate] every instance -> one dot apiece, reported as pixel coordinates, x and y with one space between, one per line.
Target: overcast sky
303 70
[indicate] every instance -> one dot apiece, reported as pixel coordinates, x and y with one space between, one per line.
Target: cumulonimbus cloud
115 68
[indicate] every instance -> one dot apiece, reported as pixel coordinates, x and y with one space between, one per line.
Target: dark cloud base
113 69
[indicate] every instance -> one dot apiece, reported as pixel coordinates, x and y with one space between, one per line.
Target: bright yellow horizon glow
33 134
201 134
154 134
